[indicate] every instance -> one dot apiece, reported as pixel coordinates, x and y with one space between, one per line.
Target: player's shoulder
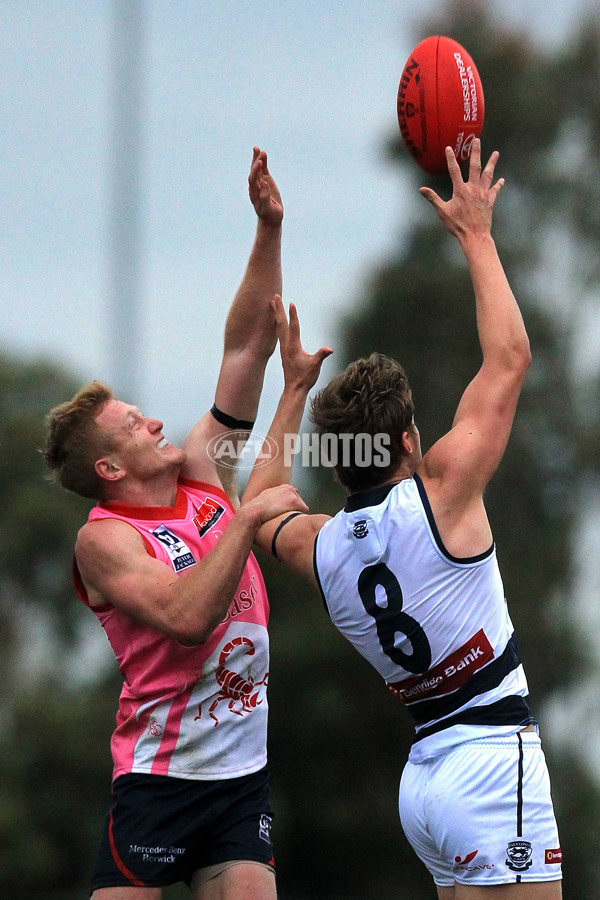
107 536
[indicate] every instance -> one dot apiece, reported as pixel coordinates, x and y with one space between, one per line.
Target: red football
440 103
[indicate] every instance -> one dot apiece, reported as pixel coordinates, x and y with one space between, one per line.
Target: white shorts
482 813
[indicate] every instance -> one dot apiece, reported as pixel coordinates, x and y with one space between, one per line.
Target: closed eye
135 422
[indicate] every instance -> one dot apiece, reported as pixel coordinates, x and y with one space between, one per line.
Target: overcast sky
313 82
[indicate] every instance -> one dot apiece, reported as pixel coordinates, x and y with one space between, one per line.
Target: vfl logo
553 856
519 855
209 513
179 553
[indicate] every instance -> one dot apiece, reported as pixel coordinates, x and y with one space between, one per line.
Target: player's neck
405 470
158 492
401 473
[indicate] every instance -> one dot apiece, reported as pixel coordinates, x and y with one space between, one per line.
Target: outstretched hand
469 211
300 369
263 191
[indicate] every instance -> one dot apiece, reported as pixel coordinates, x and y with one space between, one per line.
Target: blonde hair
75 441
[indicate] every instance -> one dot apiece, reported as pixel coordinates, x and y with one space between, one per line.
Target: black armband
278 529
229 421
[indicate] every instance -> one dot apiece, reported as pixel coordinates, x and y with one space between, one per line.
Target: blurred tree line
338 740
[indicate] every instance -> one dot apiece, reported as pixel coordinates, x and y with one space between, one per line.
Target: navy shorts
160 830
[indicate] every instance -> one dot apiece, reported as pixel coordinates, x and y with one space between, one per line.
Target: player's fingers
430 195
294 322
488 172
254 179
294 315
453 168
496 190
280 316
322 354
277 304
263 156
475 159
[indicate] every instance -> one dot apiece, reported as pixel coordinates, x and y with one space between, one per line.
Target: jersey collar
371 497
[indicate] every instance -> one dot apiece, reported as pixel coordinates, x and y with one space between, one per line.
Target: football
440 103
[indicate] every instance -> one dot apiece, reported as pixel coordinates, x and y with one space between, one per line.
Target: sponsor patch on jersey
208 514
450 674
179 553
553 856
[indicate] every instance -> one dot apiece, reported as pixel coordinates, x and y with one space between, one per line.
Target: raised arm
300 372
250 335
462 462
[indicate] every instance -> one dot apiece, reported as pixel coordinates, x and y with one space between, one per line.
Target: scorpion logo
234 687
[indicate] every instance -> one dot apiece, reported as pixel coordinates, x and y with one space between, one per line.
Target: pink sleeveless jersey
189 712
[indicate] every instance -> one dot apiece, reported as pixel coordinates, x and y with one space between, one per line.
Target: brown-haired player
409 575
165 563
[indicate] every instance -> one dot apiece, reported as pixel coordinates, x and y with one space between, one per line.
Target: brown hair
372 396
75 441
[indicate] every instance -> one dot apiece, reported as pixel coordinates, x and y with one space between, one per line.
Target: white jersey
435 627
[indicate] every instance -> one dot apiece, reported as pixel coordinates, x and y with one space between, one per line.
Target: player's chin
181 456
175 454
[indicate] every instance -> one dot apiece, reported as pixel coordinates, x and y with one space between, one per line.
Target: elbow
193 637
254 345
525 348
190 632
190 641
518 358
525 358
185 613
